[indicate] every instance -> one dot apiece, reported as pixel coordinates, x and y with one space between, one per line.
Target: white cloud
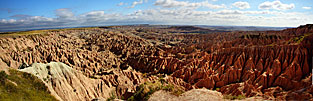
136 3
162 16
39 18
64 13
276 5
236 12
212 6
170 3
306 7
222 17
241 5
174 3
232 12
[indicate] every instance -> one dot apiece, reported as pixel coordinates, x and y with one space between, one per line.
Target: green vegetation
299 39
34 32
82 28
145 75
231 97
40 32
144 91
21 86
3 77
271 45
112 96
93 77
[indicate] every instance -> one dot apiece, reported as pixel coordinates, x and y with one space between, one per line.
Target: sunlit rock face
66 83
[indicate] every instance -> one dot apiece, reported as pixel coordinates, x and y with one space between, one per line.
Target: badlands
156 62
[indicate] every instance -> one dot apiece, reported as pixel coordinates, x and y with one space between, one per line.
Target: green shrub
3 77
112 97
144 75
177 92
144 91
168 87
231 97
299 39
10 87
22 86
132 98
162 80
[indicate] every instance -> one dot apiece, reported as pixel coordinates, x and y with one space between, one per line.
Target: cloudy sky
33 14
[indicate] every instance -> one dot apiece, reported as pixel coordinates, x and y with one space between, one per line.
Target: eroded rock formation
271 64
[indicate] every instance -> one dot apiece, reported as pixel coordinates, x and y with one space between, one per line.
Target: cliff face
271 64
66 83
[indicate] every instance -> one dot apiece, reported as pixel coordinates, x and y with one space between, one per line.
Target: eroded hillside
270 64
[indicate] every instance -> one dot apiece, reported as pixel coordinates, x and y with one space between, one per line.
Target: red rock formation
249 63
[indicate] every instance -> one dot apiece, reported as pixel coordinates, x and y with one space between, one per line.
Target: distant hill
242 28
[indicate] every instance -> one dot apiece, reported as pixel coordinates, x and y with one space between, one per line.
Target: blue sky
30 14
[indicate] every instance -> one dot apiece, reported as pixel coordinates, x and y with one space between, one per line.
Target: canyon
96 63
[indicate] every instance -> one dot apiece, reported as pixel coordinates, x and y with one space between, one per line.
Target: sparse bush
40 86
299 39
177 92
144 91
162 80
10 87
231 97
3 77
112 96
132 98
144 75
174 90
93 77
45 79
168 87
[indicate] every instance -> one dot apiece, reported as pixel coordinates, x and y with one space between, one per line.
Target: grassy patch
231 97
21 86
21 33
299 39
271 45
41 32
82 28
144 91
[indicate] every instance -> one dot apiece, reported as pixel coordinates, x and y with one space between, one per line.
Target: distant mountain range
242 28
